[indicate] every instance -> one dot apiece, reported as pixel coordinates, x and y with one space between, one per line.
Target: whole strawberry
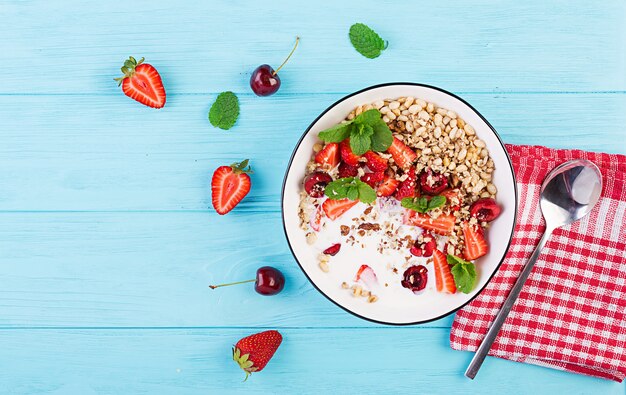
229 185
253 352
142 83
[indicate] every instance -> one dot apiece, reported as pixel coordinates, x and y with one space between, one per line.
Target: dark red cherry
433 183
424 245
315 183
415 278
268 281
265 81
485 209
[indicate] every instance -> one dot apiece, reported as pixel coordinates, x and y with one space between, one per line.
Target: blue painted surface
106 240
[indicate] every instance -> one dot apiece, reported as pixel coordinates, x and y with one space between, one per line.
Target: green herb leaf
225 111
436 202
368 117
360 141
351 188
422 204
464 273
337 133
382 137
366 41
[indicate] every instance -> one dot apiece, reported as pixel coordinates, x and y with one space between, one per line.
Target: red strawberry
407 187
444 282
335 208
387 187
367 276
252 353
333 249
401 154
475 243
316 219
442 225
375 162
453 198
345 170
372 179
141 82
229 185
328 157
346 153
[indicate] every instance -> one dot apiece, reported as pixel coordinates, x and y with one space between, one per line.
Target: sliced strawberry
387 187
442 225
316 219
372 179
328 157
346 153
453 198
142 82
407 187
401 153
229 185
333 249
367 276
444 281
345 170
375 162
335 208
475 243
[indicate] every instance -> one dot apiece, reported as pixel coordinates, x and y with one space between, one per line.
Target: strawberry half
387 187
142 82
375 162
372 179
444 281
407 187
252 353
328 157
442 225
367 276
229 185
346 153
401 153
475 243
335 208
453 198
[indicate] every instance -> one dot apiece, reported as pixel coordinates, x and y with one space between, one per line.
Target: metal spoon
568 193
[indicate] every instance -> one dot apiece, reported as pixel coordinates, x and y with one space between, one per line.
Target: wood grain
197 361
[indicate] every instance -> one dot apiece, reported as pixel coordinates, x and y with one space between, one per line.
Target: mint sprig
224 111
367 131
351 188
464 273
366 41
422 204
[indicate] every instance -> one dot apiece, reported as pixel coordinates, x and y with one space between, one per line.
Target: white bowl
400 306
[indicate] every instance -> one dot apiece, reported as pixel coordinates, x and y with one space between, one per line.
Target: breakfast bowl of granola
399 203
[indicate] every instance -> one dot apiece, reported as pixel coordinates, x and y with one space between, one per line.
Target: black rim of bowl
306 132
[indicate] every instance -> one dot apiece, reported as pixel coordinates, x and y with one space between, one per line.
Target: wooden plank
484 46
152 269
107 153
407 360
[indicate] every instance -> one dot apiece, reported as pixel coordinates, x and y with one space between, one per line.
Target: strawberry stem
235 283
290 53
241 167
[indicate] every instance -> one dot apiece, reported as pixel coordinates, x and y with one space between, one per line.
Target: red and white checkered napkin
571 314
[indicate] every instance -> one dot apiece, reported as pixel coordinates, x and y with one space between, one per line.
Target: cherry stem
290 53
226 285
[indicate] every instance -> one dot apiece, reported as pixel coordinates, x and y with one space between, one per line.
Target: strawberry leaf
224 111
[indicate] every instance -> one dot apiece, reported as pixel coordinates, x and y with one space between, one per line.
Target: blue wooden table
107 238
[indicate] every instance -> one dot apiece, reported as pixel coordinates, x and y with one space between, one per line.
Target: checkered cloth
571 314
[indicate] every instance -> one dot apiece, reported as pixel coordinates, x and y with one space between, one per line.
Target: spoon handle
491 335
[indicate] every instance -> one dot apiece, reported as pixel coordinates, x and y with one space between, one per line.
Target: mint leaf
360 138
368 117
366 193
351 188
366 41
224 111
464 273
436 202
336 134
382 137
